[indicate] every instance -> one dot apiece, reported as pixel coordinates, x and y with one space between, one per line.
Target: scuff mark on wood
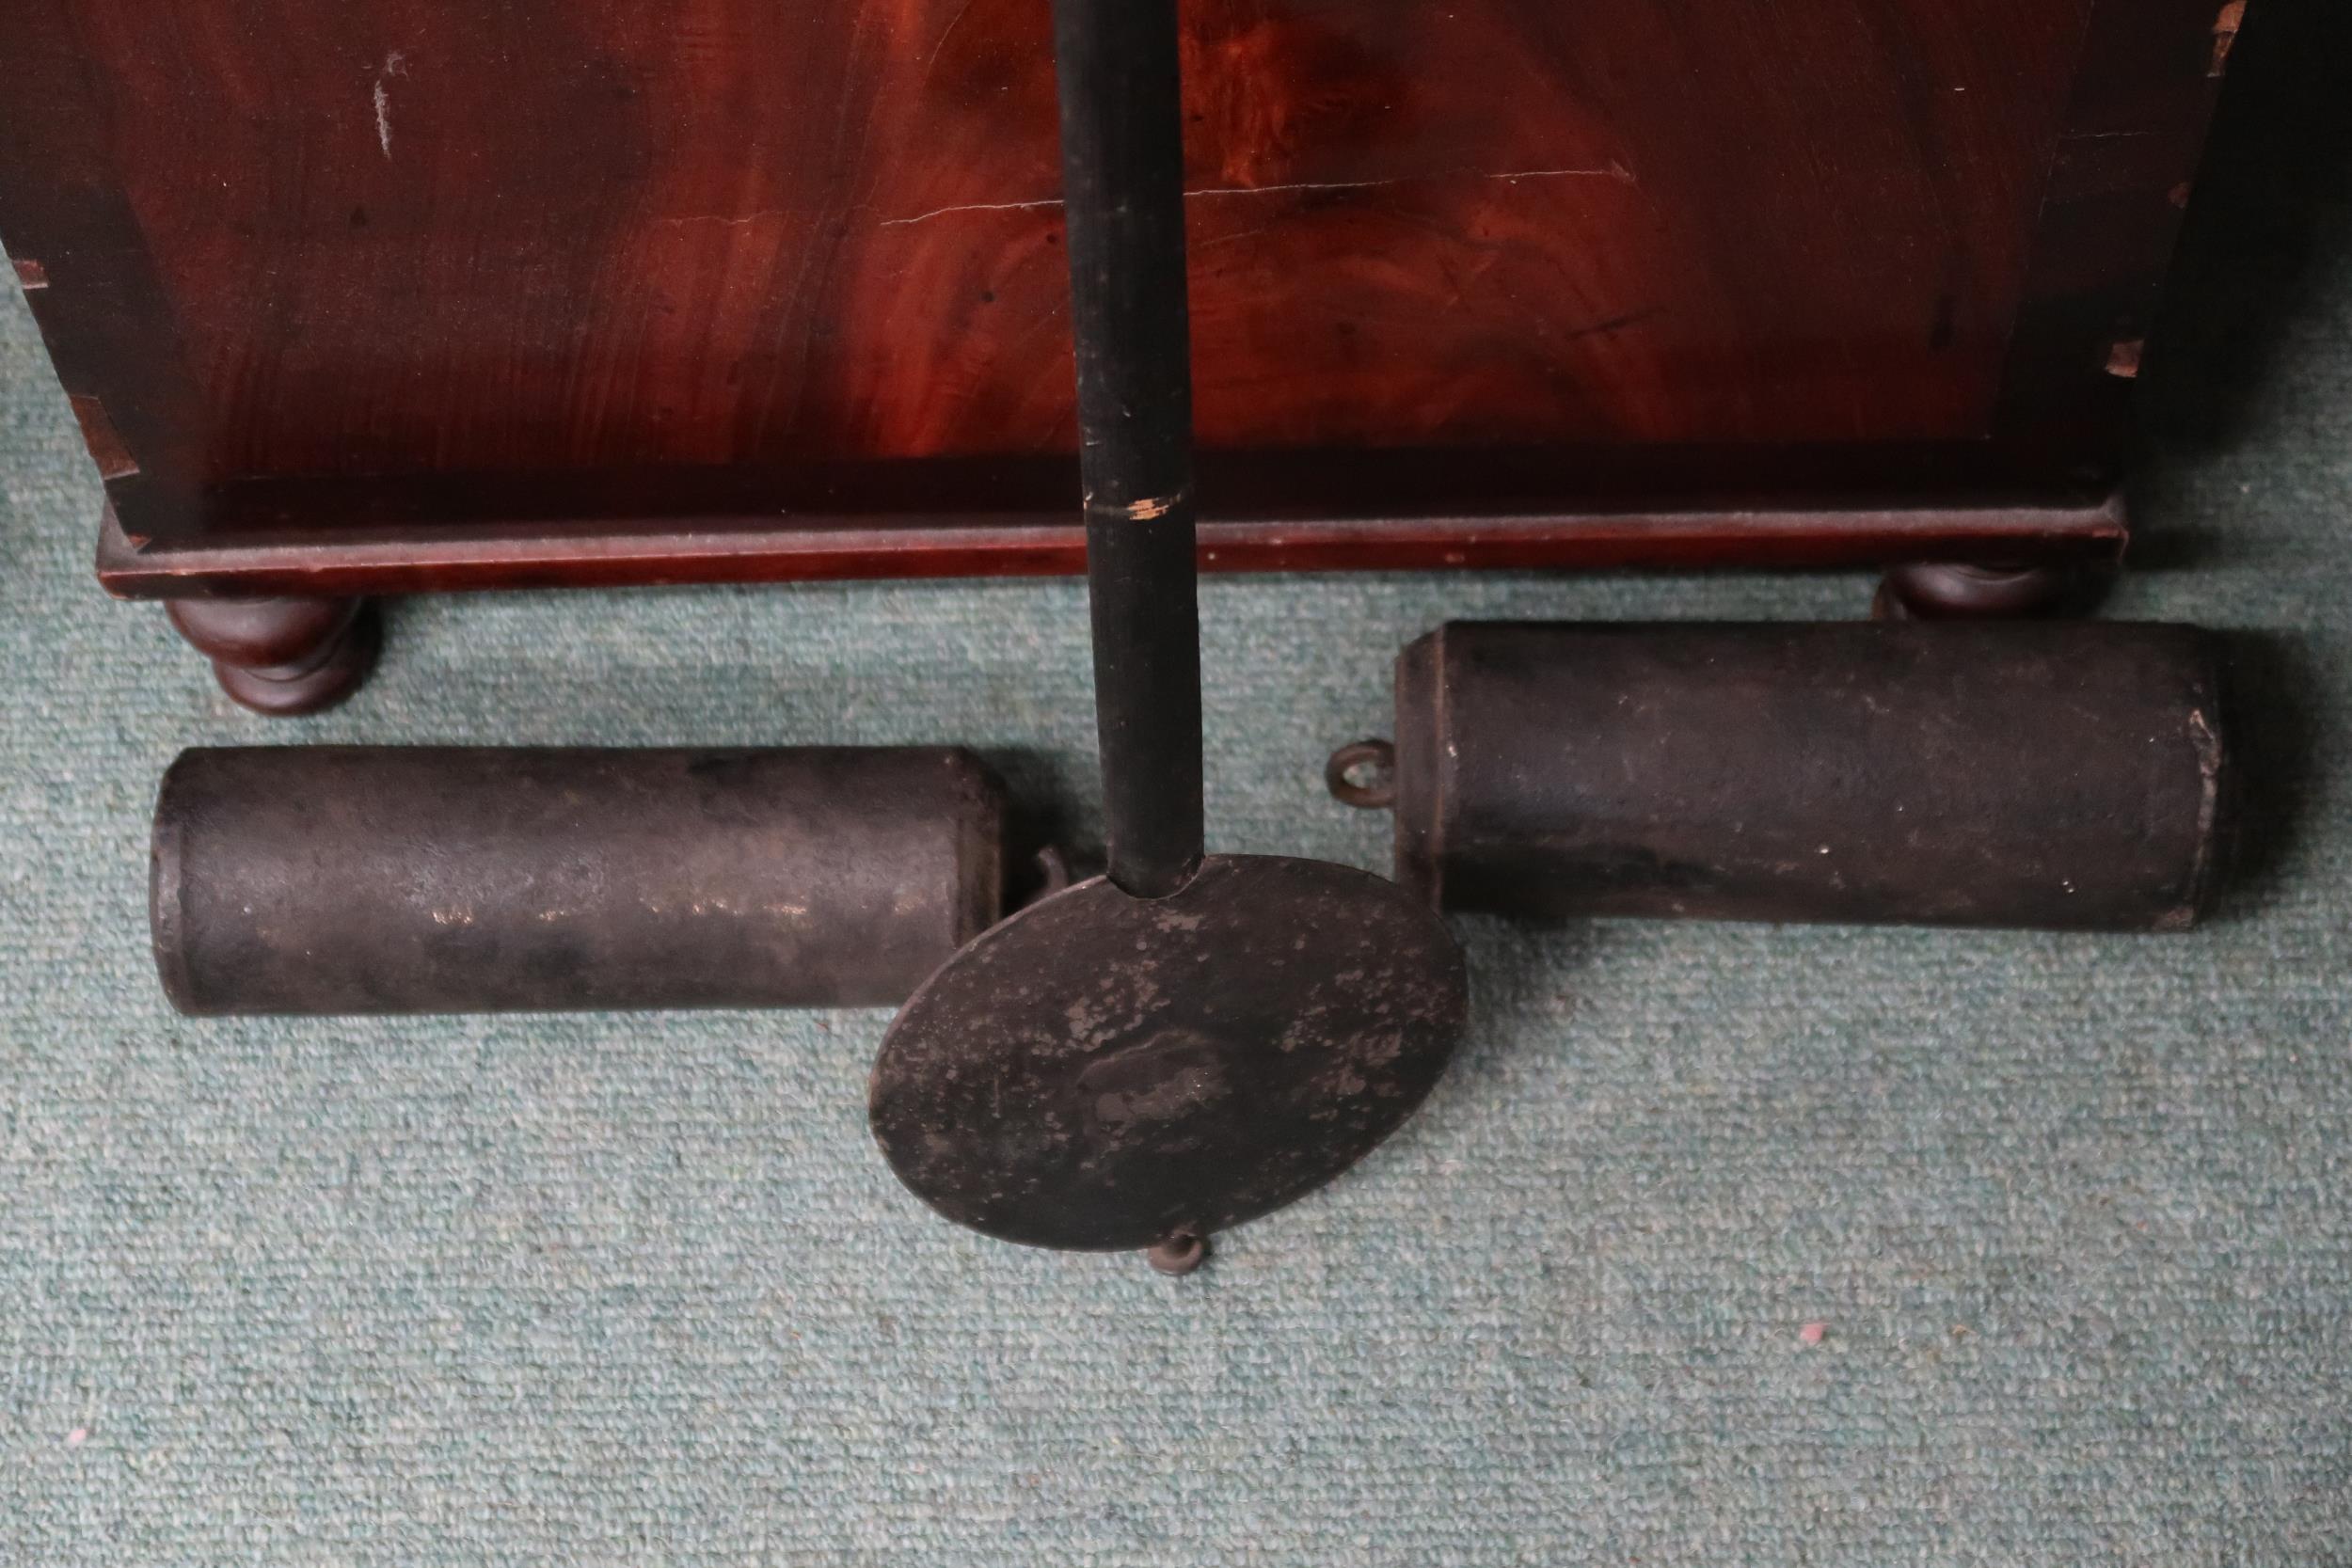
726 222
2225 30
107 446
945 34
1614 324
1616 171
395 64
972 207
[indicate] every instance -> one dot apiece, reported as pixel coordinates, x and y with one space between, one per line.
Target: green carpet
607 1289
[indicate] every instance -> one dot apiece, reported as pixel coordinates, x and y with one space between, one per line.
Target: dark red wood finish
597 553
282 656
402 293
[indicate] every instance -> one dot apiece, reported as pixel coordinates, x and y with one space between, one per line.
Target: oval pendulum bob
1191 1041
1105 1072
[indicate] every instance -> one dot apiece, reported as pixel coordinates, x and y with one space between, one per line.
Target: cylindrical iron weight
366 879
2068 775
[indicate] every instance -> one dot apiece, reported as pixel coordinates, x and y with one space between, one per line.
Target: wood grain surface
1626 247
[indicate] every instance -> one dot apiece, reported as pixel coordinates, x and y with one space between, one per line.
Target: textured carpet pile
2069 1212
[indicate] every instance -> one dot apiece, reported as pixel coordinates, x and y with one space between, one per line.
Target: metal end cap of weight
1103 1071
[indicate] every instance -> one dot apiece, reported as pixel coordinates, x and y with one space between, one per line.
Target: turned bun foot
283 656
1926 591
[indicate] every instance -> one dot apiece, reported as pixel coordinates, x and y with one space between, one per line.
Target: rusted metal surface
1104 1071
1179 1255
361 879
2068 775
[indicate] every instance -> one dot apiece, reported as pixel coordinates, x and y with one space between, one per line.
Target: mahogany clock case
387 295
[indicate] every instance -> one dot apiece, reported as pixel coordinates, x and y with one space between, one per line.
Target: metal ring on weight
1339 775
